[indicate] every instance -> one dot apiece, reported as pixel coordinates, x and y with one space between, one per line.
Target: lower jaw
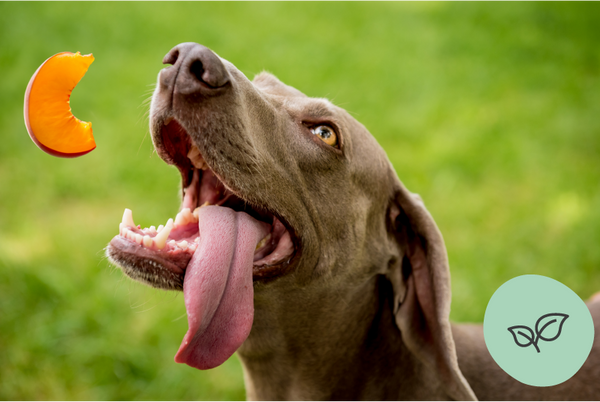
164 274
165 268
146 269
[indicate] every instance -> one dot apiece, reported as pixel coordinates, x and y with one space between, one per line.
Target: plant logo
548 322
551 350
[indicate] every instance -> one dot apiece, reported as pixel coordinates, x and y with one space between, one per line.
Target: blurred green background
490 111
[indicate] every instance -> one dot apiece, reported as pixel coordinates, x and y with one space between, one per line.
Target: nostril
210 72
171 57
197 69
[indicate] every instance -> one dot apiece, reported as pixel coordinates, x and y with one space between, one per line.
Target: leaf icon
549 326
523 335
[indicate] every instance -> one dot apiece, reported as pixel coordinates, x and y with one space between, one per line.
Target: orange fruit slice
48 117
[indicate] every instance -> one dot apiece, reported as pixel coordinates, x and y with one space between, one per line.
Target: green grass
490 111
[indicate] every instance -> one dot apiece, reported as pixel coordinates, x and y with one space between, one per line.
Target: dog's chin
159 256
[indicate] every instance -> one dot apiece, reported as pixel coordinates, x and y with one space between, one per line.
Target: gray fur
362 310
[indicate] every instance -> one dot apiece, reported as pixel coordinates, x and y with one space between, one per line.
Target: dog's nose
196 69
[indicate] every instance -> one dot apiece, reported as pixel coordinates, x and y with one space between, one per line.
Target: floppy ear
422 292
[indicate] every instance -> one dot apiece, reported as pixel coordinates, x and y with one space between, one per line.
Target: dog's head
297 193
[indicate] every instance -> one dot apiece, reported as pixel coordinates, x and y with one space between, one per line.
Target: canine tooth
161 238
196 158
147 240
128 218
199 163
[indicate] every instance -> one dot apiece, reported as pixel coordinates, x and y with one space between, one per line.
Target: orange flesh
49 112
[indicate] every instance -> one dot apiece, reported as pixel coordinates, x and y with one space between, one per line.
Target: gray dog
297 246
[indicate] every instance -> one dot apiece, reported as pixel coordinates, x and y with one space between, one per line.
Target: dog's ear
421 282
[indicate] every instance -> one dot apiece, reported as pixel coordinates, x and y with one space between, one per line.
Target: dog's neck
298 347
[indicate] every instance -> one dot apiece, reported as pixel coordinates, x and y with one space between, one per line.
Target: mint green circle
522 301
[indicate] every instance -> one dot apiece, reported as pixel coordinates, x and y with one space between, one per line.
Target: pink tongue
218 287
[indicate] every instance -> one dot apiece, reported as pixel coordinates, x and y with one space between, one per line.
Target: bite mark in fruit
48 117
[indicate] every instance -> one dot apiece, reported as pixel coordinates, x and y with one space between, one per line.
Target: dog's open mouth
161 254
213 249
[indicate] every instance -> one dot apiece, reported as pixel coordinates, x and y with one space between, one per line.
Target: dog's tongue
218 287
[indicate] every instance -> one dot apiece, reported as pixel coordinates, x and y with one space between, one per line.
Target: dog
297 246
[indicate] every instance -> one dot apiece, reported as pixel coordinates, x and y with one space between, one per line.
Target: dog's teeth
153 228
139 238
179 219
147 241
161 238
183 244
128 218
184 217
168 120
199 163
192 247
196 158
160 227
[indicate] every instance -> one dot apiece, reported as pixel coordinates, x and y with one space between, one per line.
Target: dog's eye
325 134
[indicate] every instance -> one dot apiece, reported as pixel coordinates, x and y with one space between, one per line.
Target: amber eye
325 134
